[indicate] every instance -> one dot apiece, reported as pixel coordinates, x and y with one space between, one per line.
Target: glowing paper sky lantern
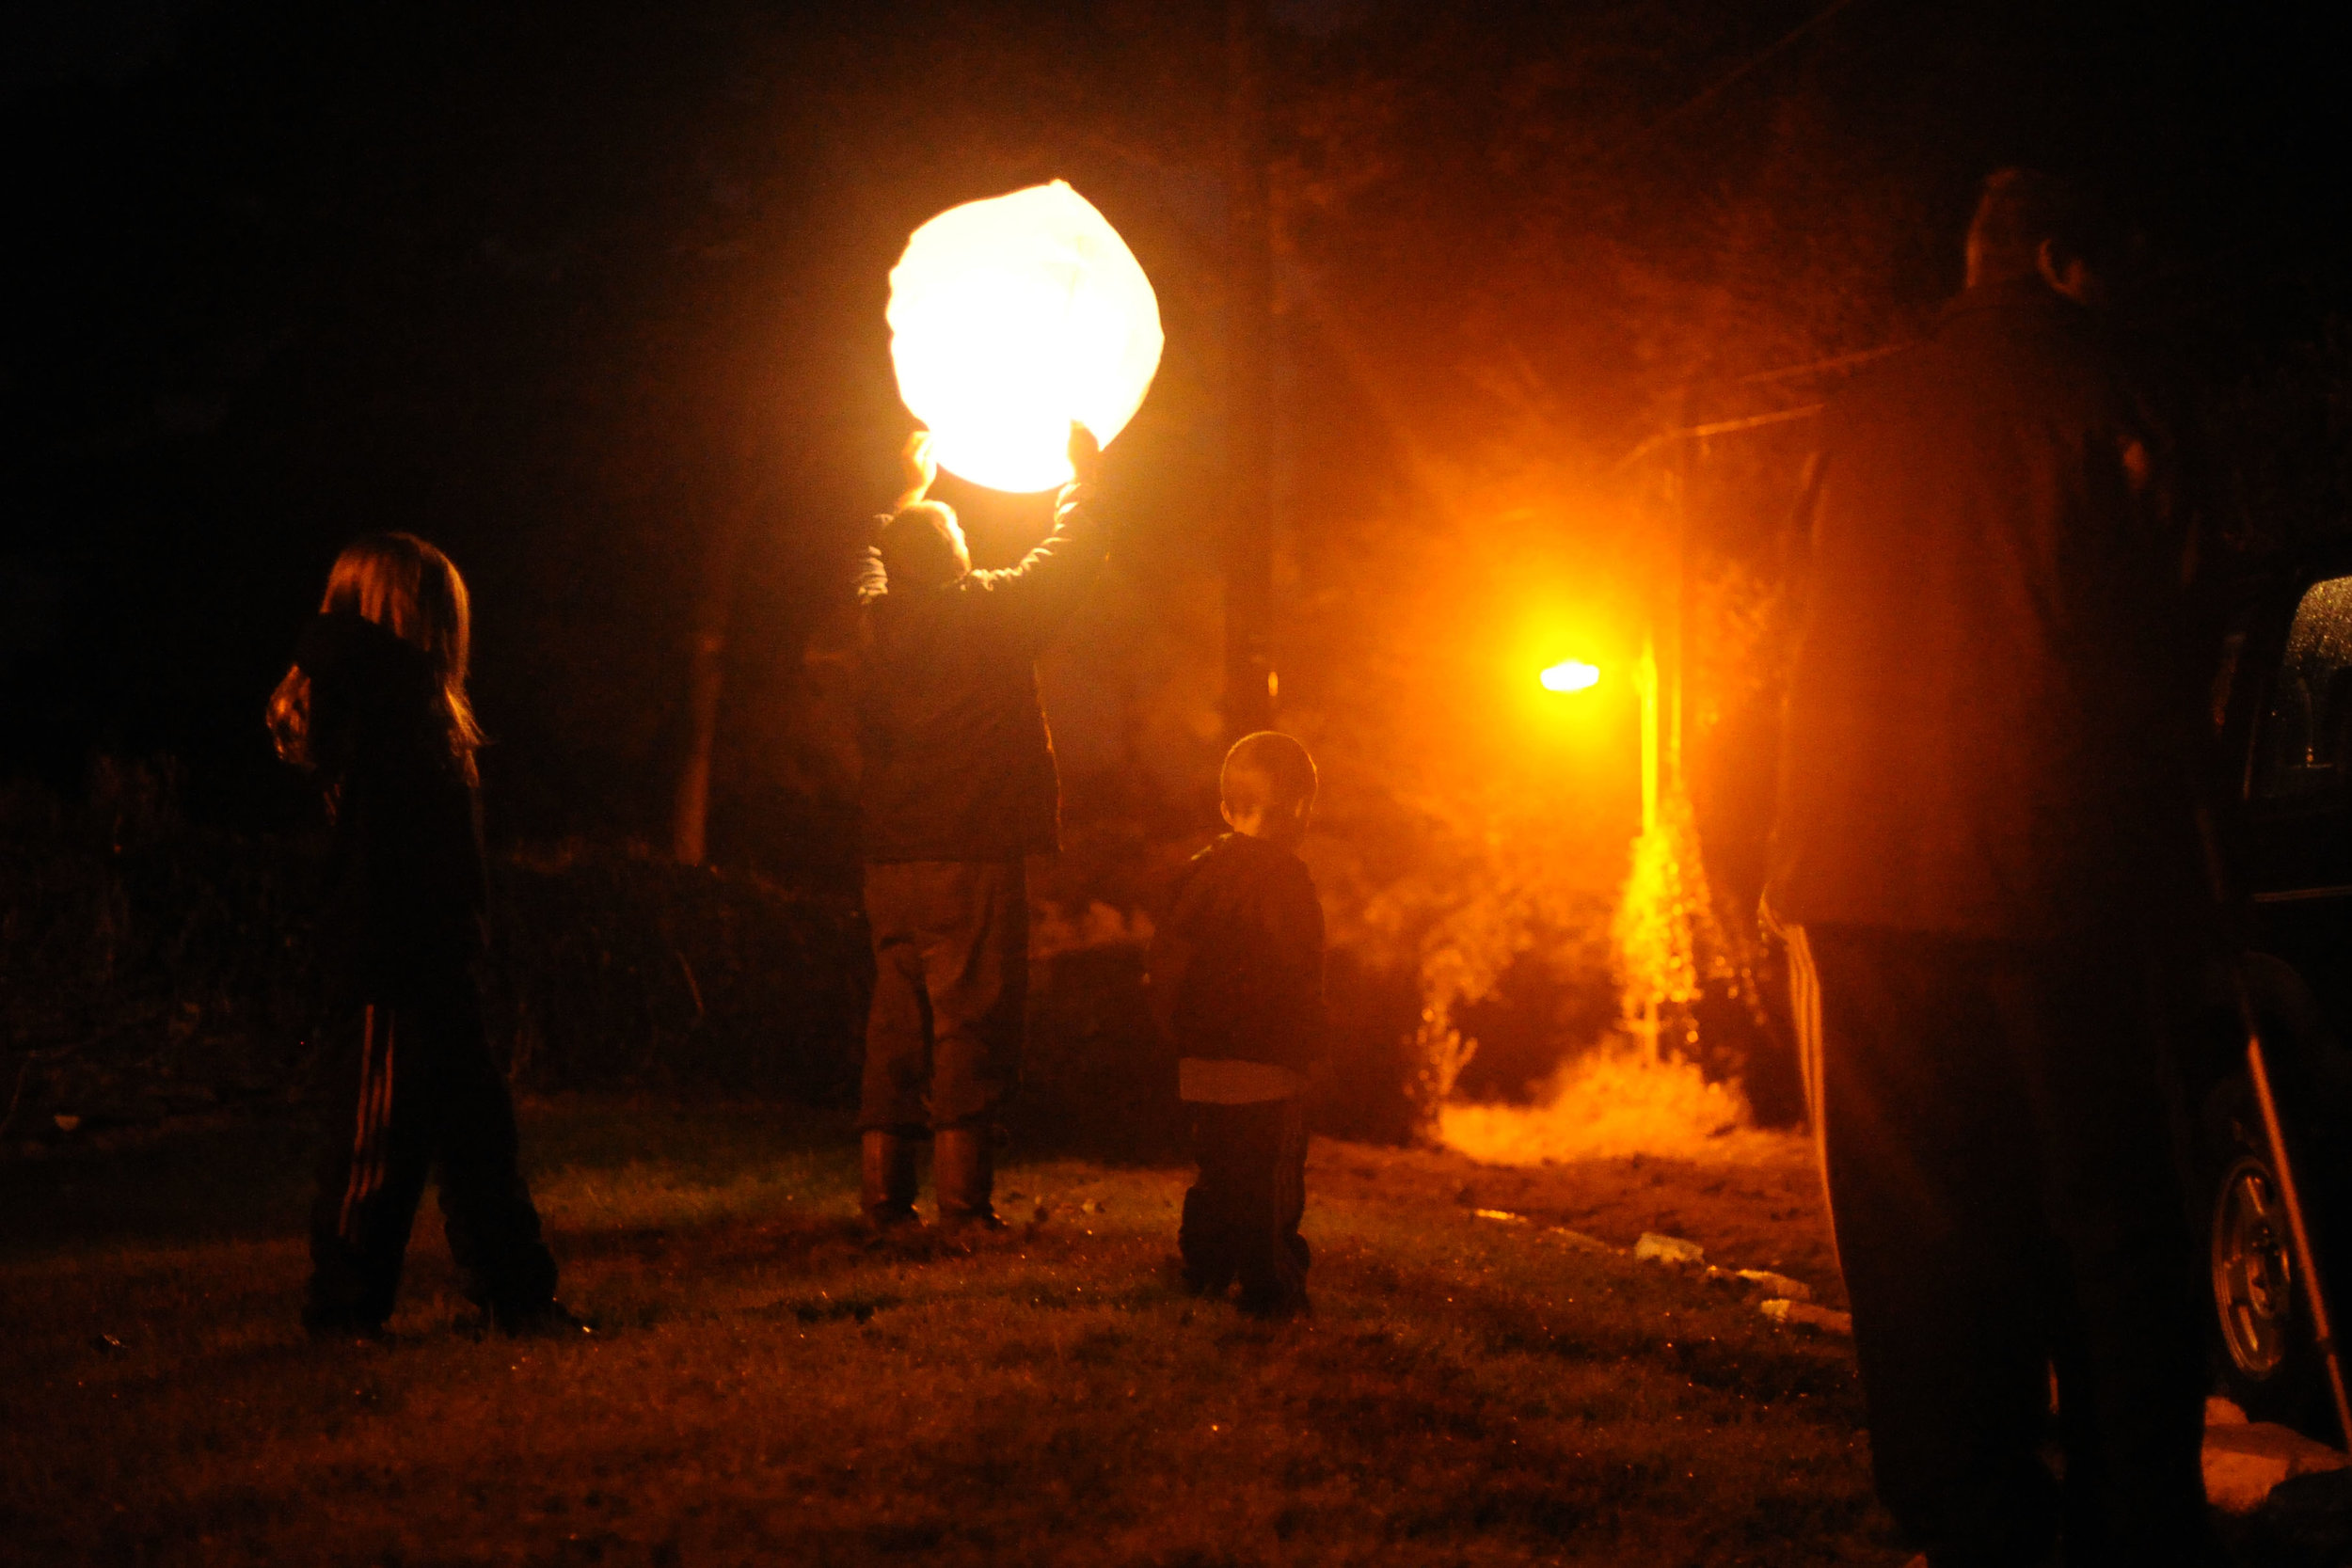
1013 316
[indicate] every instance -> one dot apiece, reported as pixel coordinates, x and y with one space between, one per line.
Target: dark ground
766 1388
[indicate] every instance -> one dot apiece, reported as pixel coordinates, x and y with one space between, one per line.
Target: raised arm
1046 584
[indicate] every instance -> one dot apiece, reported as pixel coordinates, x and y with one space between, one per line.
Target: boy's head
923 546
1268 787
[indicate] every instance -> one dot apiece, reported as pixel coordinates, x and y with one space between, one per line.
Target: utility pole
1250 680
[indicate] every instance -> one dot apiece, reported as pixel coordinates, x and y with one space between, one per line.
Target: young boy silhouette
1237 981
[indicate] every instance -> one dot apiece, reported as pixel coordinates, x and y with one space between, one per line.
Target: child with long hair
374 705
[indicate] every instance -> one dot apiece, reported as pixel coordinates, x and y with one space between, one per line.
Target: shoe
886 1179
1200 1280
547 1320
1273 1306
963 1167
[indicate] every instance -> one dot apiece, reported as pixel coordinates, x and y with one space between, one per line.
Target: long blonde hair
413 591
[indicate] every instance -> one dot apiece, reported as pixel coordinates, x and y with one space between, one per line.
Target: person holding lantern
959 787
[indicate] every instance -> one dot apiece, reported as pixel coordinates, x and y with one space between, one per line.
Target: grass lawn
768 1388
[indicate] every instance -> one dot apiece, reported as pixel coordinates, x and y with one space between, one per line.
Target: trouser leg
1290 1193
975 971
963 1168
886 1179
493 1227
2087 1040
892 1088
1205 1236
372 1164
1931 1159
1269 1201
951 947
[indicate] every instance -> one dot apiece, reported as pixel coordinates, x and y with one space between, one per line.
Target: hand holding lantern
920 468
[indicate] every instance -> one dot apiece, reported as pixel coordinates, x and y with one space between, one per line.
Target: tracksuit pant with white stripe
416 1091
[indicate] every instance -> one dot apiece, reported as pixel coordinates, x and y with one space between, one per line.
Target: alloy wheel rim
2253 1275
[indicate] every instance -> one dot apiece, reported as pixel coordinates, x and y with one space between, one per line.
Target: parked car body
2283 704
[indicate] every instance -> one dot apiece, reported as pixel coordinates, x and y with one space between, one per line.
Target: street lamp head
1570 675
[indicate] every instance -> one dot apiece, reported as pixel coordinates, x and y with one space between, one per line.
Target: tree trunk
714 612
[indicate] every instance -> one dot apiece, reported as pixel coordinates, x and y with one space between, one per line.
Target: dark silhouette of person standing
1984 845
374 705
958 786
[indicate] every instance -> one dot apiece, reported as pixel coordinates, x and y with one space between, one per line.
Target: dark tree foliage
592 295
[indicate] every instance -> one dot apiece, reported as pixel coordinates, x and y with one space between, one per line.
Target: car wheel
2265 1358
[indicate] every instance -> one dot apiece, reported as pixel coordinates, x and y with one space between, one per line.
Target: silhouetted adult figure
1984 841
958 786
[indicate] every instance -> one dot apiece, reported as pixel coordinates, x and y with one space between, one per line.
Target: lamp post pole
1645 687
1573 675
1645 683
1250 690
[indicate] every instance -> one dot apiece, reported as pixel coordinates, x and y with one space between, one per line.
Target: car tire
2265 1355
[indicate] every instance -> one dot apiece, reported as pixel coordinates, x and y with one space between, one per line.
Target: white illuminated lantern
1013 316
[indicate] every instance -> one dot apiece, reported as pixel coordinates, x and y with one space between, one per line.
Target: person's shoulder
1224 858
1270 866
1890 381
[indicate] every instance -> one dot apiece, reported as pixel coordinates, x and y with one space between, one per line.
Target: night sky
566 288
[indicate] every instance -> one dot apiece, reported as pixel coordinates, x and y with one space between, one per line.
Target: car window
2305 749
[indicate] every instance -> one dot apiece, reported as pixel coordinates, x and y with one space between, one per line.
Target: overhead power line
1717 427
1715 89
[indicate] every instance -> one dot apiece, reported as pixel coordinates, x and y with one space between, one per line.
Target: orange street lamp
1575 676
1570 675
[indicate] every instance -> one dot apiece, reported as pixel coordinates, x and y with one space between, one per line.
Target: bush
157 966
618 970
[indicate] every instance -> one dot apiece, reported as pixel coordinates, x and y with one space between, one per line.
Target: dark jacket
1242 952
959 764
403 908
1989 710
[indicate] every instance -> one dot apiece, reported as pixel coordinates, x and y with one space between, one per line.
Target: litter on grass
1805 1314
1775 1284
1654 1248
